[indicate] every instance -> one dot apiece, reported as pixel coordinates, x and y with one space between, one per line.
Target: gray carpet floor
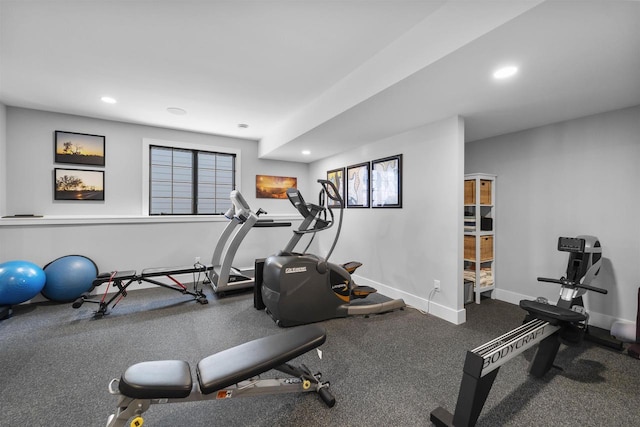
385 370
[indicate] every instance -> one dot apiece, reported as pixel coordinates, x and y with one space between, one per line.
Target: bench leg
127 408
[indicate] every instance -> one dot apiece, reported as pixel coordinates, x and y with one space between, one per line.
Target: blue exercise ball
68 277
20 281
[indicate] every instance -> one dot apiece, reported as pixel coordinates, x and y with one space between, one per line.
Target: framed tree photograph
358 185
386 182
78 184
336 176
79 148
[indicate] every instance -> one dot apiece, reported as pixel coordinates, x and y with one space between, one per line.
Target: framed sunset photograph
78 184
79 148
274 187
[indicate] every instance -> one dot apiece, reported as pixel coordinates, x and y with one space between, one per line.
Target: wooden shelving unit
479 236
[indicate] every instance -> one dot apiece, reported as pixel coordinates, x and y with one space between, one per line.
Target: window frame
146 148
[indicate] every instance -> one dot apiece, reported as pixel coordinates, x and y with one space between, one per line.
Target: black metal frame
348 204
123 279
397 157
195 167
59 159
340 185
55 187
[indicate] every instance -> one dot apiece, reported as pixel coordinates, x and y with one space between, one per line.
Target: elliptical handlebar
332 191
571 283
310 211
315 216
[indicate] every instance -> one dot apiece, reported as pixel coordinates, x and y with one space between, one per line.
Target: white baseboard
456 317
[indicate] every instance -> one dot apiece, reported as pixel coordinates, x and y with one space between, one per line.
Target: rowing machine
546 325
225 375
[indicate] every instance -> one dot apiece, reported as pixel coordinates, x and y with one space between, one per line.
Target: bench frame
123 279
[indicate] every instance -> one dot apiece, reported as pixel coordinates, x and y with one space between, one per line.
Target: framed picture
386 182
274 187
336 176
78 184
358 186
79 148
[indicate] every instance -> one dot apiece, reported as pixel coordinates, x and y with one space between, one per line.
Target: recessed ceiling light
306 152
177 111
505 72
243 125
108 100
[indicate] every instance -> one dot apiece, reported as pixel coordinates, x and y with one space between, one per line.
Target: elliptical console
300 288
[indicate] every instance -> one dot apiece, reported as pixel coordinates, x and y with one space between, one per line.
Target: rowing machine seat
552 313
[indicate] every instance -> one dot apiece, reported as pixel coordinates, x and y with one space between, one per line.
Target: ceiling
324 76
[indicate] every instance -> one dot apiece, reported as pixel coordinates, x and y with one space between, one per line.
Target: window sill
123 219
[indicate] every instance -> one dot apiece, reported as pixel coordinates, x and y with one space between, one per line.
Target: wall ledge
122 219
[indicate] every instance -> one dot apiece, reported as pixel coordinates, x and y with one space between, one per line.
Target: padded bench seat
172 378
247 360
157 379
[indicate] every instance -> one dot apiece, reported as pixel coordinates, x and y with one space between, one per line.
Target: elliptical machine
299 288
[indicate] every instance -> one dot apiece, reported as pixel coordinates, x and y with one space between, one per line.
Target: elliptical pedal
351 266
361 291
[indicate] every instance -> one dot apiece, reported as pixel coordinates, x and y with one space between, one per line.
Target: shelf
479 243
478 233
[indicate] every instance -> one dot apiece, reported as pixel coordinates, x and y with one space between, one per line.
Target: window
189 181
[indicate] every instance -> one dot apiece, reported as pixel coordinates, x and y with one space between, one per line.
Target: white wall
134 246
3 155
30 167
120 244
404 250
570 178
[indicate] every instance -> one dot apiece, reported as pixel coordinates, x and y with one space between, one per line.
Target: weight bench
228 374
123 279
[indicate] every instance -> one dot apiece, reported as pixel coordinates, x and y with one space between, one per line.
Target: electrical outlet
436 285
